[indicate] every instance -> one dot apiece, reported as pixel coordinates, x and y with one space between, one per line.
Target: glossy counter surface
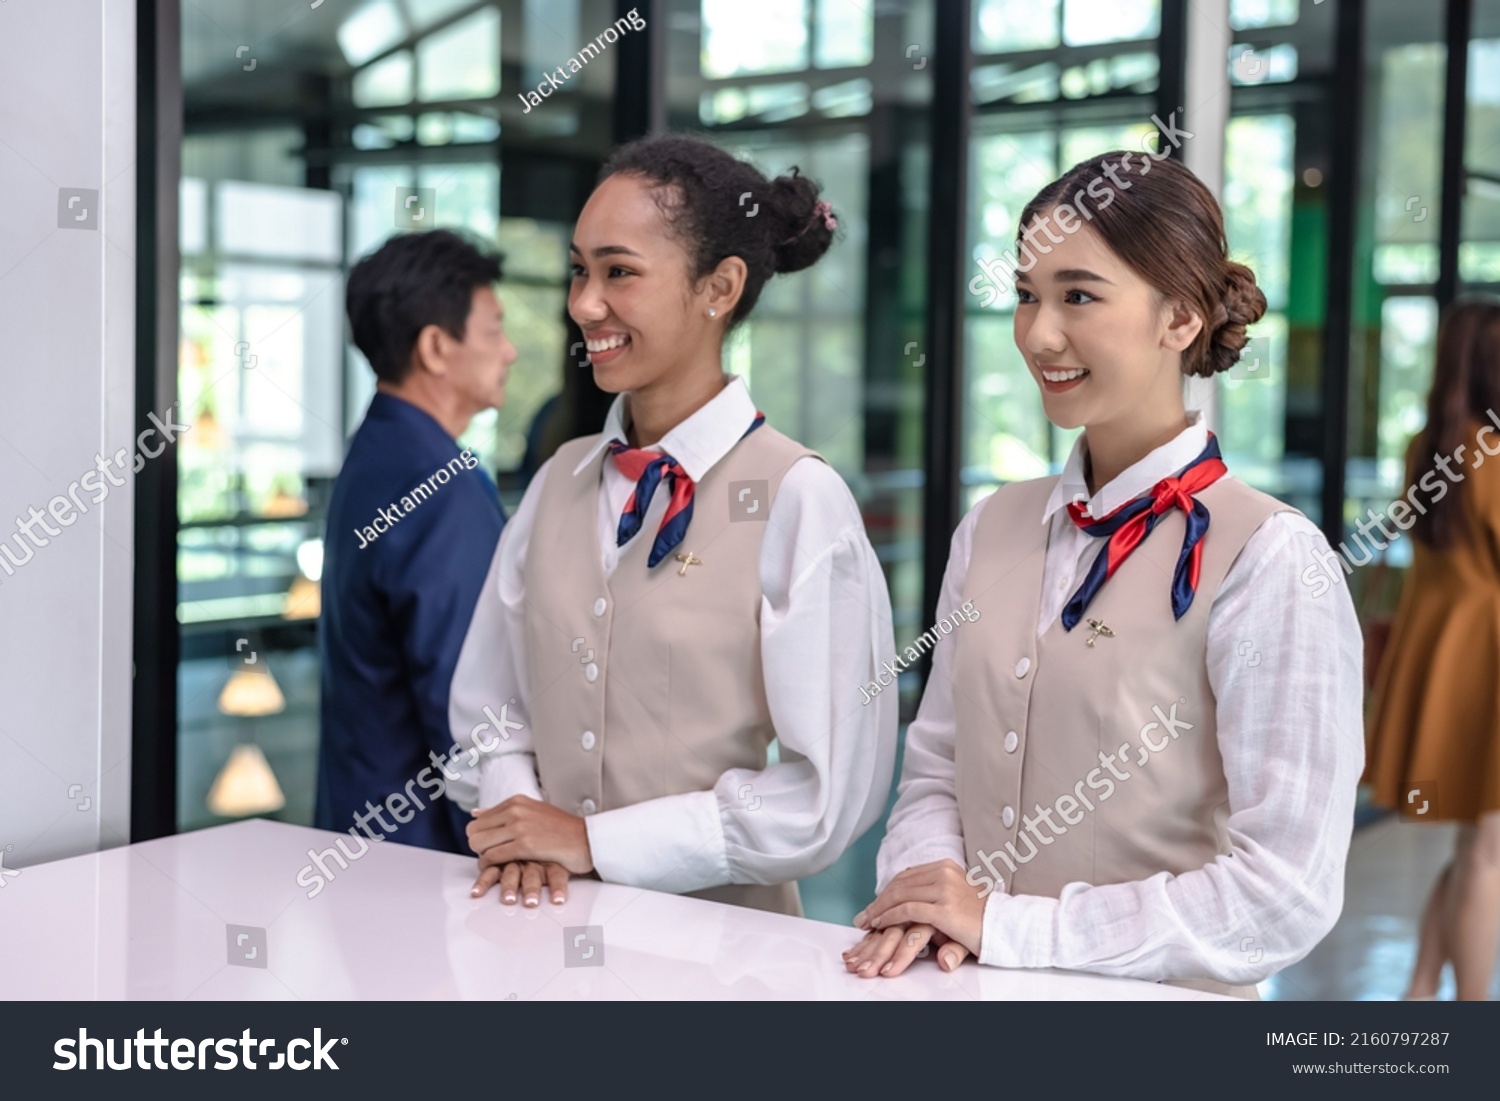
220 915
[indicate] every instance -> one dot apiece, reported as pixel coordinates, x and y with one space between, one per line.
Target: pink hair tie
821 209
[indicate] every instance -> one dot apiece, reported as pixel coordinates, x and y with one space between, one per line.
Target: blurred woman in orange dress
1435 724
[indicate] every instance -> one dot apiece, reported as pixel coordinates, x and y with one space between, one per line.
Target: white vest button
591 671
599 606
1023 667
588 806
1008 816
587 741
1011 741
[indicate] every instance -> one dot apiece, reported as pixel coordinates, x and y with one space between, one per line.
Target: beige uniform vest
648 683
1034 715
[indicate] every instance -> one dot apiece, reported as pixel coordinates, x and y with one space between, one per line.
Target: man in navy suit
412 526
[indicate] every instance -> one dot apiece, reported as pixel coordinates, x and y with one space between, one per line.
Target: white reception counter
219 915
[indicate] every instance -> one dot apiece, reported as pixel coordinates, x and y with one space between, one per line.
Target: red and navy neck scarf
647 469
1127 526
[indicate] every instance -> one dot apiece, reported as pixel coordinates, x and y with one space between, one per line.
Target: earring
713 312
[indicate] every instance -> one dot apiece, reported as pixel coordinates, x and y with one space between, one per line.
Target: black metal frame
947 240
1343 228
1172 55
154 635
640 106
1460 23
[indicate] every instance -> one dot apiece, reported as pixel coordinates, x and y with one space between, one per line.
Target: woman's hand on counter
522 828
935 894
523 878
890 951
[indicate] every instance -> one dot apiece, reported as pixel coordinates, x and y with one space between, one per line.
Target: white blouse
1286 670
825 628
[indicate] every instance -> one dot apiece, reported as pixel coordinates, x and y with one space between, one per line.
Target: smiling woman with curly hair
684 588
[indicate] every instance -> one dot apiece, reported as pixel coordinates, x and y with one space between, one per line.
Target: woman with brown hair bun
1142 760
1435 722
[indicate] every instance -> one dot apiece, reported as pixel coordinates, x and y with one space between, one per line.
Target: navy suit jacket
396 608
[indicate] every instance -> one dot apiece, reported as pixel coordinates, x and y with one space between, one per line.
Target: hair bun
1242 305
805 233
704 194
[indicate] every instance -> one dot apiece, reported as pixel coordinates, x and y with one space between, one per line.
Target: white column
67 361
1207 117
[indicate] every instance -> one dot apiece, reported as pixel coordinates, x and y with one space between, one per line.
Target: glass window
1249 14
1018 84
762 102
851 98
1409 162
192 216
371 30
1268 408
766 37
272 218
262 333
551 35
424 13
1089 21
1257 202
385 83
1011 26
845 33
267 220
461 61
1408 342
1270 65
1004 26
1396 255
1479 254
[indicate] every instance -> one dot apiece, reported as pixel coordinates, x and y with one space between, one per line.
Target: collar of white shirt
1135 479
698 442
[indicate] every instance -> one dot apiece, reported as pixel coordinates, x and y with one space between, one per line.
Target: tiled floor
1369 953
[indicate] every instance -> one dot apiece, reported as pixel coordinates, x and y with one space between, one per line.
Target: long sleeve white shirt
1286 671
825 629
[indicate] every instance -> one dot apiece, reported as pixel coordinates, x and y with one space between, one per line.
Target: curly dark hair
719 206
411 281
